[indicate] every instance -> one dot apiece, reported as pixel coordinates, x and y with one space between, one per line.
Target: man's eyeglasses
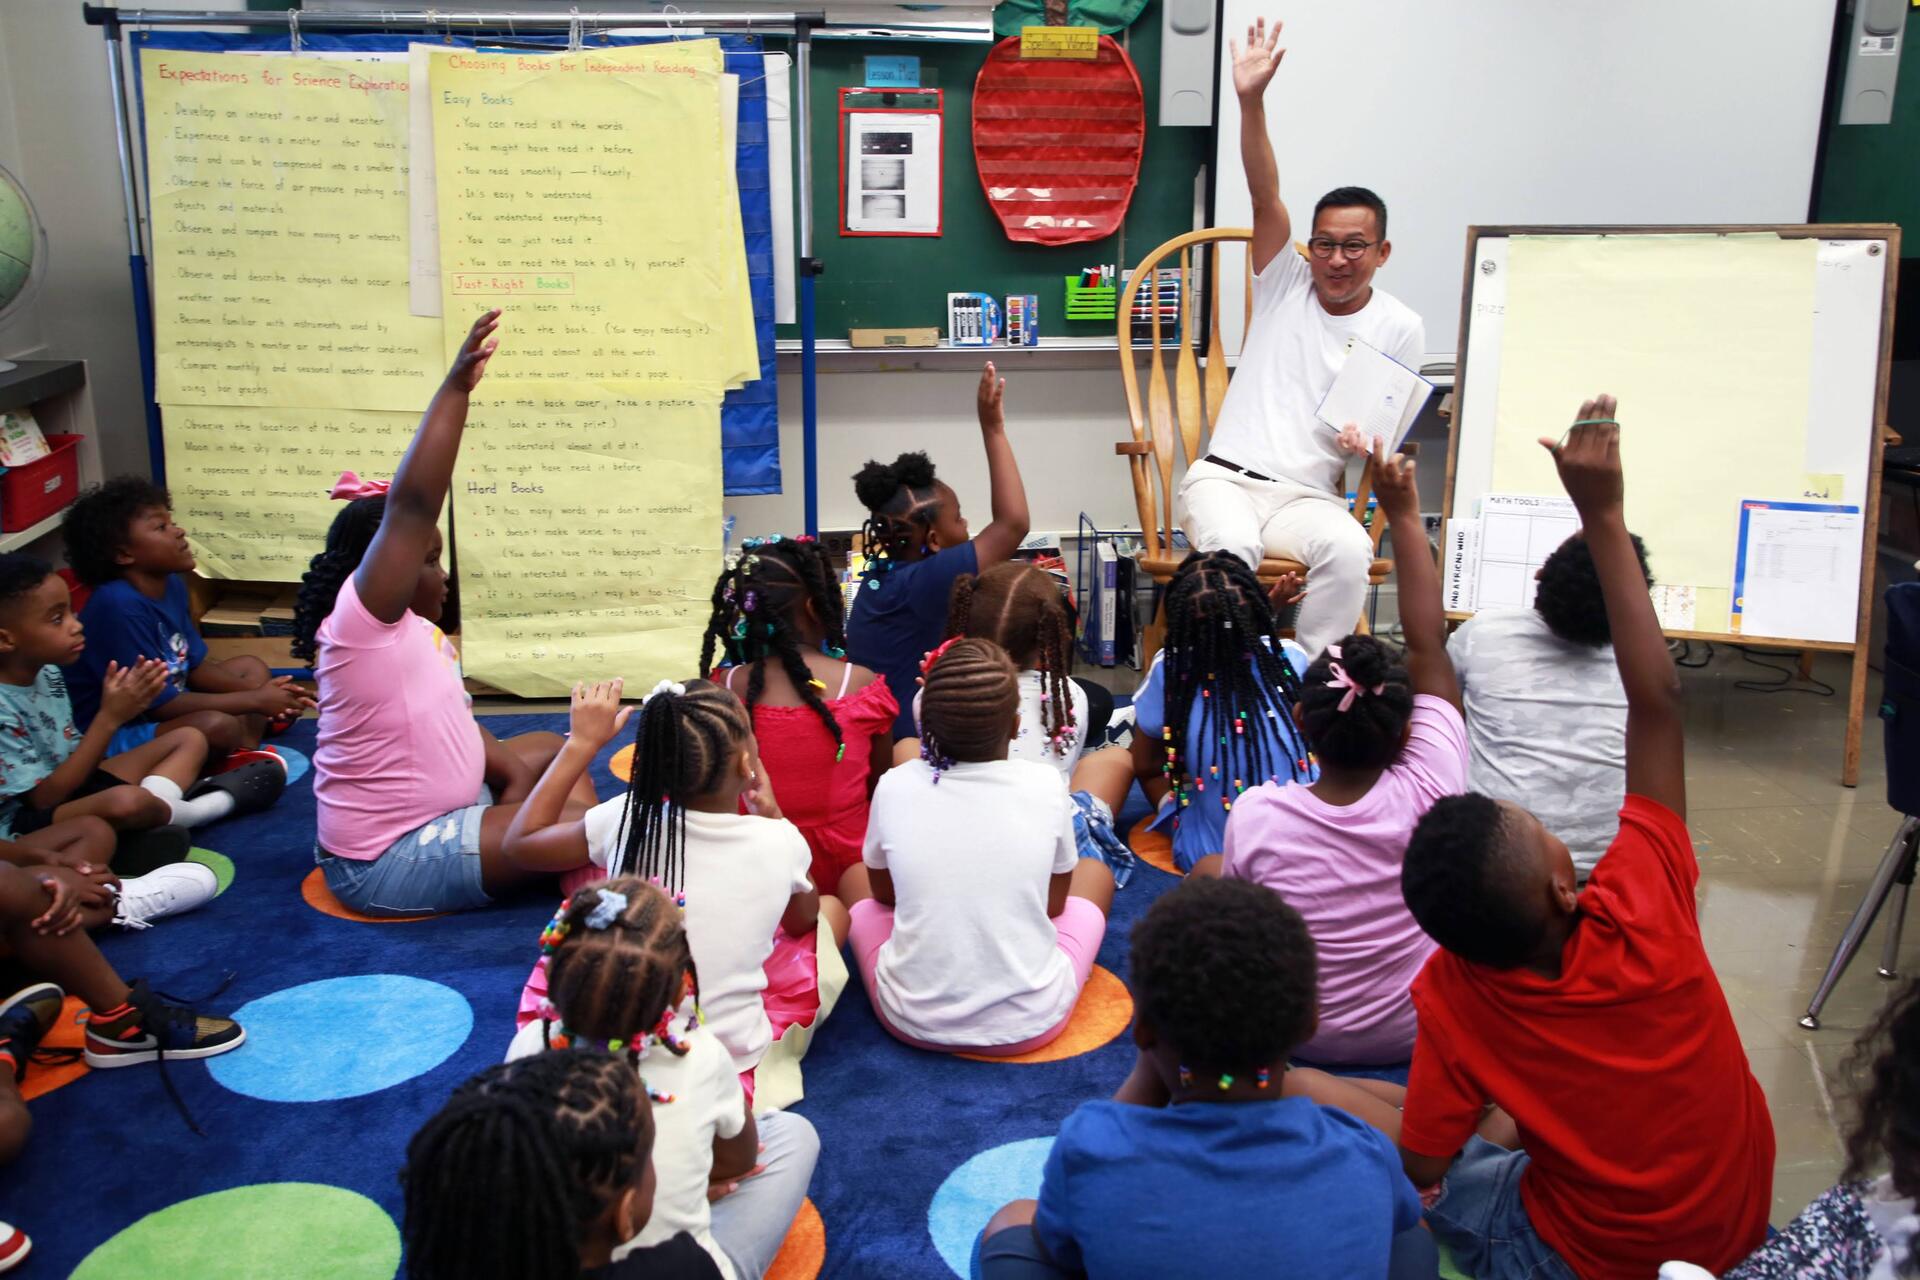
1322 248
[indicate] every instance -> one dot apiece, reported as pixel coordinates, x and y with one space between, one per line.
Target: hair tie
673 687
350 487
607 911
934 655
1337 678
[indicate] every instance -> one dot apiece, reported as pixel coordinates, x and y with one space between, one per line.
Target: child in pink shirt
413 795
1390 741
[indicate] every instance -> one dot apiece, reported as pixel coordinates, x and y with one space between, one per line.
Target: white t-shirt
973 959
1292 353
1546 726
1030 740
707 1103
740 871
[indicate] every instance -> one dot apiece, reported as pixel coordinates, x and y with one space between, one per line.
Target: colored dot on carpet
219 863
343 1037
805 1249
977 1190
621 766
1103 1011
296 762
270 1229
1155 848
67 1032
320 898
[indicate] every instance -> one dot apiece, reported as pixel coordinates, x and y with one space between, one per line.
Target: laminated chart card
591 195
279 193
589 536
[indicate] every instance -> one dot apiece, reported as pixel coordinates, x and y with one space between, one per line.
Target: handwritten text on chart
280 236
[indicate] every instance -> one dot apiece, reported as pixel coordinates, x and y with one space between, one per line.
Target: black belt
1219 461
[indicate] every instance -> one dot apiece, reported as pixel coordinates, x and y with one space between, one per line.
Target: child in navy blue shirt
122 542
1205 1163
917 545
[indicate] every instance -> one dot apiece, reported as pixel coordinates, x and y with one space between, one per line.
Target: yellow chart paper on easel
1576 325
590 196
589 536
279 190
250 485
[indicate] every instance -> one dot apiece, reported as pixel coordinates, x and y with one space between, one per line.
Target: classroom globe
23 246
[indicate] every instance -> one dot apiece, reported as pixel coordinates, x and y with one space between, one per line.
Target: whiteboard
1720 404
1527 112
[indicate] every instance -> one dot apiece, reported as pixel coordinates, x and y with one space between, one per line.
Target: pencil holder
1091 302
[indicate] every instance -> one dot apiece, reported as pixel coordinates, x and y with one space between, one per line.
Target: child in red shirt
1593 1018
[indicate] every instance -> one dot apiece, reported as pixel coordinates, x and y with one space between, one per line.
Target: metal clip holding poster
892 172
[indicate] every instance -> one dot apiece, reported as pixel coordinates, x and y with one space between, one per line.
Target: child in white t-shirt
1019 608
751 910
974 919
622 979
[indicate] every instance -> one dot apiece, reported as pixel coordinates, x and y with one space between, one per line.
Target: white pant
1222 510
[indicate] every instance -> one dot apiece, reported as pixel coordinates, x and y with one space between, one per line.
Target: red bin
34 491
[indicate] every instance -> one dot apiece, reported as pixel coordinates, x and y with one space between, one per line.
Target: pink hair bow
1337 678
350 488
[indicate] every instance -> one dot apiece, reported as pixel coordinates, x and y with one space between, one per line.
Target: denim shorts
1094 834
433 868
1481 1218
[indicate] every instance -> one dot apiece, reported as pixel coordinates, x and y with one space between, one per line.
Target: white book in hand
1375 392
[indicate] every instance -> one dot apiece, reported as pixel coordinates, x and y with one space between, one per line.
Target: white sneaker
164 891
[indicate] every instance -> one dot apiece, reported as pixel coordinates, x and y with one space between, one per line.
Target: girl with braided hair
1390 742
624 980
540 1169
917 544
974 918
824 725
413 795
1215 712
700 820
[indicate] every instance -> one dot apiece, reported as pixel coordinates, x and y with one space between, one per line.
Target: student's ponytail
683 739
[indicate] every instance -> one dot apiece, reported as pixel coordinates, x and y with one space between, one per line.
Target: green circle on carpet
271 1229
219 863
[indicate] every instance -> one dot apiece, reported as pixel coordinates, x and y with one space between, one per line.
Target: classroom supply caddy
34 491
1091 301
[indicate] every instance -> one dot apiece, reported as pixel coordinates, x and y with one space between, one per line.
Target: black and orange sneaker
25 1018
150 1029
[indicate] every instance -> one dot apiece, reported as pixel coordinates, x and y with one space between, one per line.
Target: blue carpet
339 1074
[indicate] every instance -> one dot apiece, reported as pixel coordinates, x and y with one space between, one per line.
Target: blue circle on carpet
343 1037
296 762
977 1190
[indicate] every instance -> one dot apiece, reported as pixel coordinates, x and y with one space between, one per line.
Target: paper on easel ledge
1376 392
1518 531
1675 607
1461 565
1797 571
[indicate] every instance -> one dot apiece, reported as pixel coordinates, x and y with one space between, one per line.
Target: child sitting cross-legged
751 913
623 979
1390 742
824 725
539 1169
122 541
1269 1183
1591 1017
975 917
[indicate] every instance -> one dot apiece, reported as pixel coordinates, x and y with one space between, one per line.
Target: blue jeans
1480 1217
433 868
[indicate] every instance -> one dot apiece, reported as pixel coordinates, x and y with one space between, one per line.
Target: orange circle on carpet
621 766
1103 1012
67 1032
320 898
1155 848
805 1249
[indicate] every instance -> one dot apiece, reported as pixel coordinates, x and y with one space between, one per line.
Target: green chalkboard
884 282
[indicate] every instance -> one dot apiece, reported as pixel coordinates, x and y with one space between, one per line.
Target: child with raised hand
1269 1183
483 1198
122 542
414 796
824 725
623 979
751 911
1390 741
917 545
975 919
1215 712
1546 716
1591 1017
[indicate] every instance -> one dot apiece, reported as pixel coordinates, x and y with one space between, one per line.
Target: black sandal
254 787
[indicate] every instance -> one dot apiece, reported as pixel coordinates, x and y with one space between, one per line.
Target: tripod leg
1890 955
1897 855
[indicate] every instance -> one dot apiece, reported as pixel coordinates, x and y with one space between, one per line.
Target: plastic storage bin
31 493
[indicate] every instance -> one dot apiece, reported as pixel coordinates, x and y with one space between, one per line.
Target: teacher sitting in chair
1273 481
